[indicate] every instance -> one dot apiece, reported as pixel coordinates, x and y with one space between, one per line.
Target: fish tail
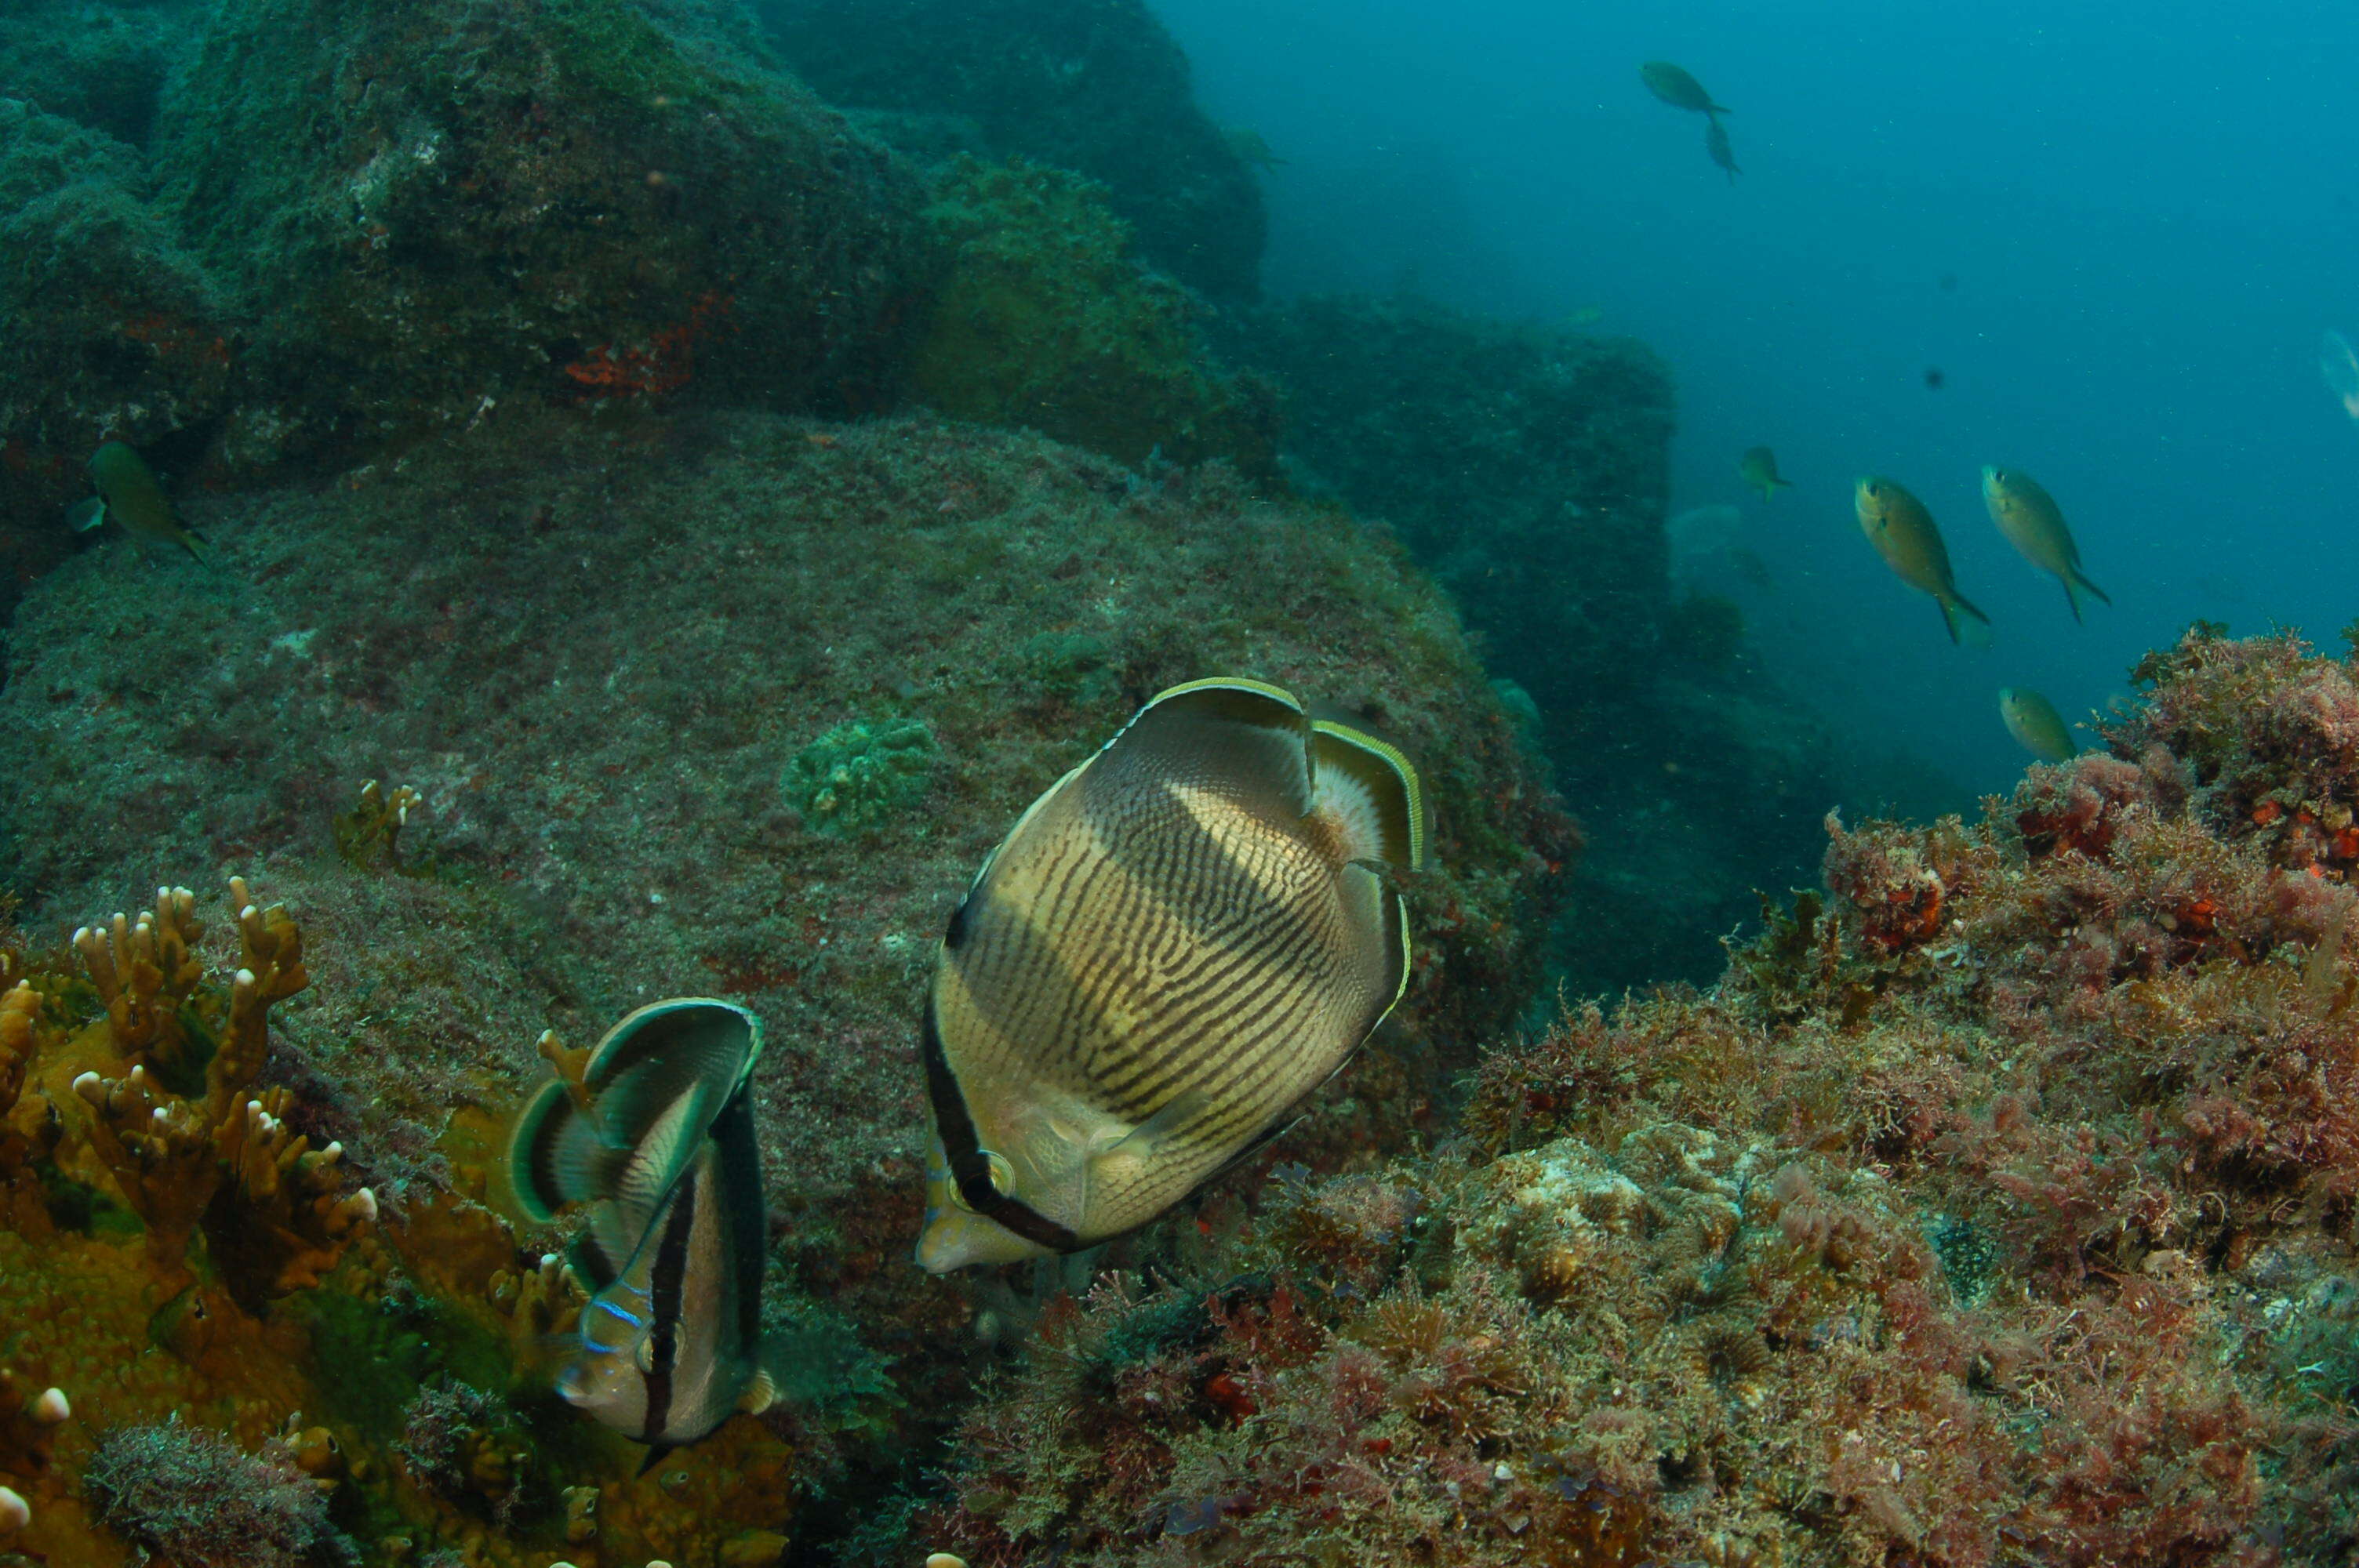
2072 578
1973 630
199 551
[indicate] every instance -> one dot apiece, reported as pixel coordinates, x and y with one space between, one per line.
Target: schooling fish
1902 531
2034 524
1715 145
1173 947
657 1138
127 485
1677 88
2036 725
1758 467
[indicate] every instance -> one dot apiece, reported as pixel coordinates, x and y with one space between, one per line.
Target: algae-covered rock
103 65
1044 318
1094 86
419 211
110 328
598 705
1529 467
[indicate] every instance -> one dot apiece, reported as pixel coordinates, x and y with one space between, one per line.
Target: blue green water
2147 215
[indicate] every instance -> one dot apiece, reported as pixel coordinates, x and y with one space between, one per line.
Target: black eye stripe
962 1147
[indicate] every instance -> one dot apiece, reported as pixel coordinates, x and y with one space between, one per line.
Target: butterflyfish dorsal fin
1368 788
653 1056
1251 739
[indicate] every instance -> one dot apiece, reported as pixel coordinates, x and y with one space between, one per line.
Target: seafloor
675 480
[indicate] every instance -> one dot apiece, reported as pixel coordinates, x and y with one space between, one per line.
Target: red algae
1997 1209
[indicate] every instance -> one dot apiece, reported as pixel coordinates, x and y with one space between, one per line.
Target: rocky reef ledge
533 726
1997 1208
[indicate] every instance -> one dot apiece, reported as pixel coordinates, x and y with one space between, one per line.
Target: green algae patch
858 776
1046 318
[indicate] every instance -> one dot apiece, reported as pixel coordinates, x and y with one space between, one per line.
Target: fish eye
1003 1179
645 1356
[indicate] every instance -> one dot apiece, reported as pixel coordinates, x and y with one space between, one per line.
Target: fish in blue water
1173 947
2036 725
2035 525
2340 366
1903 533
1716 147
1675 87
657 1139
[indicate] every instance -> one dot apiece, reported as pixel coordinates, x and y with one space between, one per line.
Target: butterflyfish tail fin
1369 789
639 1071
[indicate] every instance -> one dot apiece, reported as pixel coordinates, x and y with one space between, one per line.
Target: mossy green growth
857 775
1072 665
609 47
1045 319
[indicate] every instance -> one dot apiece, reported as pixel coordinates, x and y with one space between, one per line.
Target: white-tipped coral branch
145 970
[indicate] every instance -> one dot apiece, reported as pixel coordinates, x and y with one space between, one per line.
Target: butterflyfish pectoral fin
1142 1139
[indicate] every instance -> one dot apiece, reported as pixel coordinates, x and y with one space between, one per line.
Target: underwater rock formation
2001 1212
101 66
112 327
349 227
419 210
1093 86
540 727
1042 317
1527 468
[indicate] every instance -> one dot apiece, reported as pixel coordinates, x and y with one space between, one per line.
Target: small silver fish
1173 947
659 1139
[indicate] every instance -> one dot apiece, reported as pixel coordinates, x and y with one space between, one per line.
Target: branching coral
370 833
182 1137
